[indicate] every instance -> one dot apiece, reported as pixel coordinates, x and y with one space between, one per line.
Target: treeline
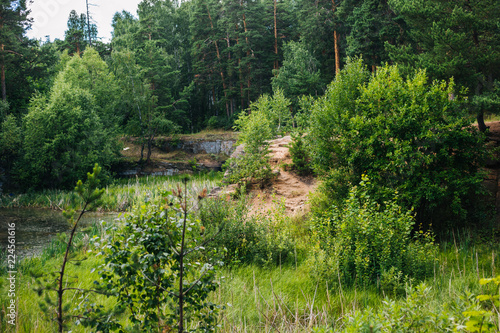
184 66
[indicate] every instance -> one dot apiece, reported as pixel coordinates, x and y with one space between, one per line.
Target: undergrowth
270 281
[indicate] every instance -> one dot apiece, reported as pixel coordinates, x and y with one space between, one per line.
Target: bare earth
287 185
295 190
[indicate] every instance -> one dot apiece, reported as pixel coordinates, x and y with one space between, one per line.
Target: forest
386 104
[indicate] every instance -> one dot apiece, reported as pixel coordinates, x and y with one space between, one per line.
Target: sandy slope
286 185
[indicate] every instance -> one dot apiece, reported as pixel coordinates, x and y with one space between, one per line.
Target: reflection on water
36 227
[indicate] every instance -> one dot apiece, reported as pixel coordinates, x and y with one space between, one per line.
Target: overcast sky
51 16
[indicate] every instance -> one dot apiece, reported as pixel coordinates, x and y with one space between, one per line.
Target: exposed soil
494 130
164 157
286 186
492 179
295 190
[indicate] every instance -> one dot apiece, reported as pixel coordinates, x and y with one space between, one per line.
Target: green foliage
453 39
157 269
120 195
143 117
267 118
193 164
255 129
66 134
91 73
302 117
484 320
298 74
10 140
4 109
367 242
244 240
54 285
412 315
368 24
213 123
300 155
405 134
76 38
275 109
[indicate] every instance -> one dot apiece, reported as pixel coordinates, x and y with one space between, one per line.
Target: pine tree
368 25
13 24
455 39
76 37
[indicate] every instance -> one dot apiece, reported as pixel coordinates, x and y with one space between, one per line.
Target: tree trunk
150 147
142 151
480 113
336 41
249 67
480 121
231 100
2 69
337 56
275 37
224 87
240 74
4 86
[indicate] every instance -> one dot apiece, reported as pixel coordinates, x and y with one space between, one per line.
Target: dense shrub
405 134
268 117
300 155
255 129
69 131
246 239
157 268
367 243
64 136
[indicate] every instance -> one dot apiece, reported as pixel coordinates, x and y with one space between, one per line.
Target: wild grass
119 196
30 318
292 297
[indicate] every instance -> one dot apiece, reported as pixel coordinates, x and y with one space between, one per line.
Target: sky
51 16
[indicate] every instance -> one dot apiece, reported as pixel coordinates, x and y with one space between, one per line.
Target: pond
35 228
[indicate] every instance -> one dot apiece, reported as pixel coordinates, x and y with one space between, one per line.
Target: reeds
119 196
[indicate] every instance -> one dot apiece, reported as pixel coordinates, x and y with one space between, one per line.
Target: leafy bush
246 239
69 131
300 155
64 137
213 122
488 318
299 74
4 110
255 131
10 140
367 242
405 134
158 269
414 314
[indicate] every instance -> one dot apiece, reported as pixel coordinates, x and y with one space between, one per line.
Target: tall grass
290 299
119 196
289 296
30 318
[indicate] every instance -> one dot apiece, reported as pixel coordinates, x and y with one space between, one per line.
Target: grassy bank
290 299
275 296
119 196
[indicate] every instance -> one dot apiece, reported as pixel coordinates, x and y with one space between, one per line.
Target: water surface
35 228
